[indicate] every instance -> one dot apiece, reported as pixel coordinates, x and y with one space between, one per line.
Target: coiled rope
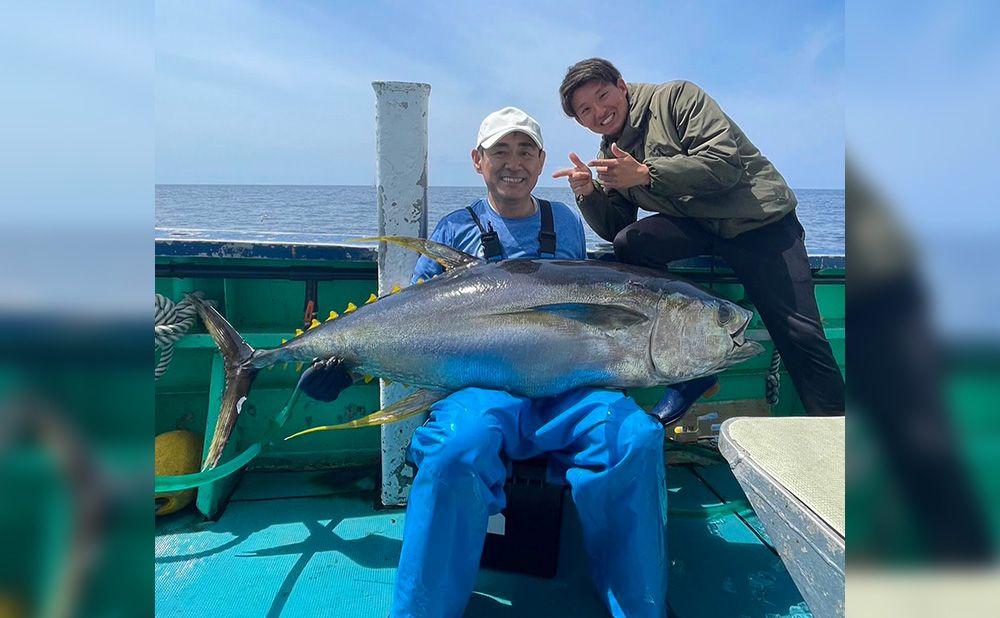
172 320
772 381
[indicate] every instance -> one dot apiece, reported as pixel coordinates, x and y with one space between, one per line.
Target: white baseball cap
508 120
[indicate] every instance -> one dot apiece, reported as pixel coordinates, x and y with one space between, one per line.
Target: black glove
324 380
678 398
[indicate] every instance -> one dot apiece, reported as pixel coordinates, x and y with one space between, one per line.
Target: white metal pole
401 171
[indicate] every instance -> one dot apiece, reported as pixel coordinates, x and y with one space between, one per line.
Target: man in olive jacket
671 150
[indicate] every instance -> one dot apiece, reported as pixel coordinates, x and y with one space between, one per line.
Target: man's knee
632 425
625 244
464 429
647 428
803 333
641 430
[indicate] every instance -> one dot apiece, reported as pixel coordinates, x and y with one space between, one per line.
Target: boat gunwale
307 248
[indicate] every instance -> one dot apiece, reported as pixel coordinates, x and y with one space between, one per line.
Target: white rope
170 323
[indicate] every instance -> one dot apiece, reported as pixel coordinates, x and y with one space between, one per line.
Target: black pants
772 265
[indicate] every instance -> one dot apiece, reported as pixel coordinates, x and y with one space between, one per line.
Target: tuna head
697 335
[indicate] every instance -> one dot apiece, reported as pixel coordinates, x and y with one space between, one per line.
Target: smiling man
671 150
600 442
509 222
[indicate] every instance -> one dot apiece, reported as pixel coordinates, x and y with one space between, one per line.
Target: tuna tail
236 355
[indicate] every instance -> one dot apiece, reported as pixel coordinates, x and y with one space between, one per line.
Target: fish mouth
743 348
739 335
748 349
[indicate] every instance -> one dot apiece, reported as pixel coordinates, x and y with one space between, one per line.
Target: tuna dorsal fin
415 403
444 255
605 317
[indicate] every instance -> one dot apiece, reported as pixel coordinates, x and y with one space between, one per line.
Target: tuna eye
725 315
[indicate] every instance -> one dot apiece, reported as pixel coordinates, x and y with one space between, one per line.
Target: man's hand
581 179
621 172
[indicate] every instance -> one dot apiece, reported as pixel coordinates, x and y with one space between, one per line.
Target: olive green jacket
701 166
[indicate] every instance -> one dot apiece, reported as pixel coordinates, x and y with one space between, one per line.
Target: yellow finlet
368 378
371 299
298 367
333 316
395 289
313 324
298 332
387 381
350 307
420 280
284 341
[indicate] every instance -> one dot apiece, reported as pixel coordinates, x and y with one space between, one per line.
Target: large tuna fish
532 327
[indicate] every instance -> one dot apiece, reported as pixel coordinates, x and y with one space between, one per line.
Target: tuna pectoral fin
406 407
444 255
605 317
239 376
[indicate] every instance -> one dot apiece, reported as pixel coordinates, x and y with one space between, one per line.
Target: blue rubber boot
677 399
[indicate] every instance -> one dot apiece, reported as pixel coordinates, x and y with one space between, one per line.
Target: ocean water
349 211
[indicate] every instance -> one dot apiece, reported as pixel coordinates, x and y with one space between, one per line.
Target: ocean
340 212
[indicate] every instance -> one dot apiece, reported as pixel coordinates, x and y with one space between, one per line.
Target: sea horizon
348 211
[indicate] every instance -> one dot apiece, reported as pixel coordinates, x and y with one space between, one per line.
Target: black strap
547 235
490 240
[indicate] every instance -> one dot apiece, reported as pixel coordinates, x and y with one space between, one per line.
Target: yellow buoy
176 452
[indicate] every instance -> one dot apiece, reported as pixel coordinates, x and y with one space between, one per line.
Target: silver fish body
531 327
535 328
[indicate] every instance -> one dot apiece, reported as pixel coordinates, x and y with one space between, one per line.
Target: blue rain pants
601 442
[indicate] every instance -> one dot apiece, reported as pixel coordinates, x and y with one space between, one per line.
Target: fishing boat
313 526
302 529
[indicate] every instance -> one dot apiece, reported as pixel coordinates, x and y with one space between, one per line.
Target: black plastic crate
532 524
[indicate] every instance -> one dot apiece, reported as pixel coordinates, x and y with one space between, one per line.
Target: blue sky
262 92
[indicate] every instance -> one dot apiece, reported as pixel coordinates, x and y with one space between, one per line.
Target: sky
280 93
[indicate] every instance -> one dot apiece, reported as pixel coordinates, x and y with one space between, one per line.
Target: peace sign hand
621 172
581 179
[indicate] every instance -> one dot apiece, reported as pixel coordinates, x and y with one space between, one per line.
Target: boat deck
311 543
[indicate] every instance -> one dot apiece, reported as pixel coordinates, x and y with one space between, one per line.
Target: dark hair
584 72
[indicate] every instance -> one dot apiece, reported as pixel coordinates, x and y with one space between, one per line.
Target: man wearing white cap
600 442
509 222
